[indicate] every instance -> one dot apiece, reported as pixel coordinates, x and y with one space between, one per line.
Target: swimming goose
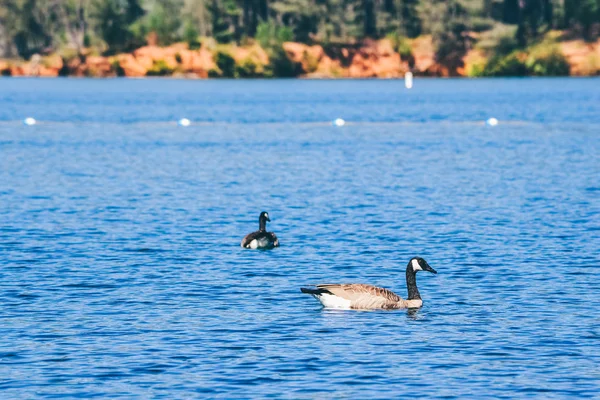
367 297
261 239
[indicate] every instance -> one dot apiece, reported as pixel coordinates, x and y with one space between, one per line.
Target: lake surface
121 273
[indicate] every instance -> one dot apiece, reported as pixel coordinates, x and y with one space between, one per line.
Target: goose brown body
360 296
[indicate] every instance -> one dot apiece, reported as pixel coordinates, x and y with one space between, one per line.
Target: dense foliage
111 26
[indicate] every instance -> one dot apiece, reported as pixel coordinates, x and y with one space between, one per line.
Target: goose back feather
260 240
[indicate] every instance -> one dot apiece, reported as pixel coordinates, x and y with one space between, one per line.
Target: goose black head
264 216
262 220
417 264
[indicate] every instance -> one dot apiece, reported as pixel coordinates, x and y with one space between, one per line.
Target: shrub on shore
228 67
115 66
225 64
476 70
312 62
540 60
591 65
271 38
280 65
547 61
248 68
402 46
160 68
513 64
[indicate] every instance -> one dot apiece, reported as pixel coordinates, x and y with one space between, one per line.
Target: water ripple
121 273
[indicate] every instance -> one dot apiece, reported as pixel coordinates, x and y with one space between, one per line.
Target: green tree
583 16
225 20
113 21
369 18
411 23
511 11
451 41
165 20
535 17
33 26
302 17
190 34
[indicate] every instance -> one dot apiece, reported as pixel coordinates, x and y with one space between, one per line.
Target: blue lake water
121 273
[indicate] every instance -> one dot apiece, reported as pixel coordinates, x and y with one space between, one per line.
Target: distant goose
366 297
261 239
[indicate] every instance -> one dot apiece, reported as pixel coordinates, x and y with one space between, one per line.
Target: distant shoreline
373 59
298 78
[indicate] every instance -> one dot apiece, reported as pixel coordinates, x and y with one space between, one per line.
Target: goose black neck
262 224
411 284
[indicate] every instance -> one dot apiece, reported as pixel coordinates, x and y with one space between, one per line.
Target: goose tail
314 292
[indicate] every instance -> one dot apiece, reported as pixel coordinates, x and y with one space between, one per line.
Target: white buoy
29 121
339 122
408 80
491 121
184 122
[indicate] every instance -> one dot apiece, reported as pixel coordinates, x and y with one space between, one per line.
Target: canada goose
261 239
367 297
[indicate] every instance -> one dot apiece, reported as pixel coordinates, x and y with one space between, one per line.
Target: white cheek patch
416 266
